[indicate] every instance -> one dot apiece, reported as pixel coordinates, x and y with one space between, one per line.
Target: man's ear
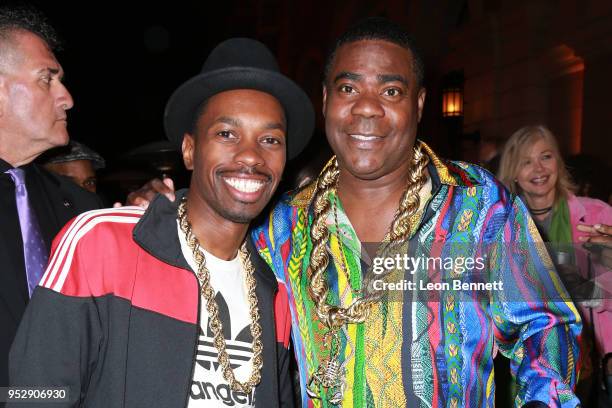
421 102
188 147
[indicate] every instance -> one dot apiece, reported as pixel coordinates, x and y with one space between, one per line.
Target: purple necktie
34 249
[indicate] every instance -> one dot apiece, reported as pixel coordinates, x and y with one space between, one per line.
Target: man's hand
145 194
598 240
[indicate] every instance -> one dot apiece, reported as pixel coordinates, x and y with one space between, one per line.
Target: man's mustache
246 170
364 126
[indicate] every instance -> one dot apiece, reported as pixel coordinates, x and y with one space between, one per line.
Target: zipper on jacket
195 344
276 385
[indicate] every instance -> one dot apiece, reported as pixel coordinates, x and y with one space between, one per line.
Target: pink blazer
589 211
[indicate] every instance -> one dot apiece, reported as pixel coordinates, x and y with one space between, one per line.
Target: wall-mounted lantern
452 95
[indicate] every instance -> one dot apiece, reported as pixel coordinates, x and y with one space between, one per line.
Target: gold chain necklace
214 323
330 375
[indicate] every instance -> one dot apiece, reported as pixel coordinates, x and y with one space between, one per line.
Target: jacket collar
576 208
4 166
30 168
157 233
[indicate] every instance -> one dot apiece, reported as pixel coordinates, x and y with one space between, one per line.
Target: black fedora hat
241 63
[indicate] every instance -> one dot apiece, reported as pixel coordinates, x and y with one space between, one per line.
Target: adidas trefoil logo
239 348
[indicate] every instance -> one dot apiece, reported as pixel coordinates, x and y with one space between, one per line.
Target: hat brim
182 106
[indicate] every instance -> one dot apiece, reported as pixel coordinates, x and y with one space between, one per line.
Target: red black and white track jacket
115 317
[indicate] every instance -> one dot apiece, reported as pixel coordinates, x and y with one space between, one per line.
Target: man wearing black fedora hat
172 307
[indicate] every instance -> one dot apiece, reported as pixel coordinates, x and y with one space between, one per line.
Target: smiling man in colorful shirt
359 347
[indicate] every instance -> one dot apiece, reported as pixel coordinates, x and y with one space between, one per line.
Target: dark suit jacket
55 200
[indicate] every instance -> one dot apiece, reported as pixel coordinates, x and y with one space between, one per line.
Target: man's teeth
245 185
364 137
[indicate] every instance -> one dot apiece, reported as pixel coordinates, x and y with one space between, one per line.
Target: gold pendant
330 376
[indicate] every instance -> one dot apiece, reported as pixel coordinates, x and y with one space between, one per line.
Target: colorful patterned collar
449 173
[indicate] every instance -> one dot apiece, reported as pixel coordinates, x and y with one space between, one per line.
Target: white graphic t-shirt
208 387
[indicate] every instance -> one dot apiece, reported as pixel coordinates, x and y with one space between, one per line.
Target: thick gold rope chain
330 373
335 317
213 310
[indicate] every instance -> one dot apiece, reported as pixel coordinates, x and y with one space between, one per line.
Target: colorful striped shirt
475 278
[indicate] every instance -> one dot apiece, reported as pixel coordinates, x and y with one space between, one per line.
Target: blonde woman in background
580 231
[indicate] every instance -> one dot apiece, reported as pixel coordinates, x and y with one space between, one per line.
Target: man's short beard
239 217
